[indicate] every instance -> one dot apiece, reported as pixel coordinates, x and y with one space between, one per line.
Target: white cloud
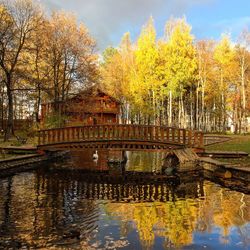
104 18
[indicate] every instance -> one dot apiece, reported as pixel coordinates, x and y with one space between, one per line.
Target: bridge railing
124 132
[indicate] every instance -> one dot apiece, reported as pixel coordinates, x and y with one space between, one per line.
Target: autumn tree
243 58
206 85
176 81
69 56
224 58
145 81
18 20
181 66
116 73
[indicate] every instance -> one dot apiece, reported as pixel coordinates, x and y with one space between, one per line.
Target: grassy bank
237 143
13 142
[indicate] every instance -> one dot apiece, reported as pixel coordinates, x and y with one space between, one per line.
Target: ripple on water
55 210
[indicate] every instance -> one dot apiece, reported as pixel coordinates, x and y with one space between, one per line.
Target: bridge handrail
160 134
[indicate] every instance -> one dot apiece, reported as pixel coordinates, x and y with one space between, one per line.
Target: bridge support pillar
116 161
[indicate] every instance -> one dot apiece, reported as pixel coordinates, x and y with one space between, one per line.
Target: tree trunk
243 100
202 108
191 110
38 103
170 109
197 114
10 121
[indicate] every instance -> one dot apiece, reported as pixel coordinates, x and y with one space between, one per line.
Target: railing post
53 135
179 135
90 132
146 132
107 132
49 136
78 133
173 134
39 137
195 138
123 132
111 132
43 135
189 138
156 130
82 133
56 135
102 132
184 136
138 136
73 133
129 131
167 133
151 133
201 140
87 132
63 134
162 134
98 132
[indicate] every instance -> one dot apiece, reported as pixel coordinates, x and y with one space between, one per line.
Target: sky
108 20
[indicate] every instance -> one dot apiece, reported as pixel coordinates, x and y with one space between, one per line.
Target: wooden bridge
120 136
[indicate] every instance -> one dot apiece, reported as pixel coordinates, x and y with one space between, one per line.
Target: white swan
95 155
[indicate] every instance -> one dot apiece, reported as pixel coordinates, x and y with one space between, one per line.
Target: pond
59 209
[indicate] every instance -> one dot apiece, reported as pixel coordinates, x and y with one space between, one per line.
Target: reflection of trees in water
144 161
175 220
42 208
227 209
5 194
38 208
137 160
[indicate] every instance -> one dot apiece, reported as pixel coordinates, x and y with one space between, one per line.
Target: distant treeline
41 58
175 81
180 81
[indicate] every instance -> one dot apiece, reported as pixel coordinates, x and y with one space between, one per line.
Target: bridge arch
120 136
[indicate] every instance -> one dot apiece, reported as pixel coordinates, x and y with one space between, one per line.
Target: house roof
92 91
88 92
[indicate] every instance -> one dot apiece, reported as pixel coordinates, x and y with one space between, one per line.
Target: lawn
237 143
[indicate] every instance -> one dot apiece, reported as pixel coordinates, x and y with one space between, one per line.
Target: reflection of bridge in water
136 187
118 136
38 209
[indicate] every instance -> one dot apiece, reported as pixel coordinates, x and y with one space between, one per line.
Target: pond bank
27 162
225 169
228 175
213 169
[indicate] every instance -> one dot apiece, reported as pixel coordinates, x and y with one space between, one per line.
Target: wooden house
91 106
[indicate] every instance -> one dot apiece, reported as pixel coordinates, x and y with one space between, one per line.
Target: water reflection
56 209
137 161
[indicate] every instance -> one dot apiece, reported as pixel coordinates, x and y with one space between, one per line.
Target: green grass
14 142
237 143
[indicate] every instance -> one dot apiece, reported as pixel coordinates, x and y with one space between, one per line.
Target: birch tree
181 66
145 80
224 57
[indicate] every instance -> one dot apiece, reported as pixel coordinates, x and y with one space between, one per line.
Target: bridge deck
120 136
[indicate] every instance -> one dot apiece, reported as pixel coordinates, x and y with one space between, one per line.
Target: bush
55 121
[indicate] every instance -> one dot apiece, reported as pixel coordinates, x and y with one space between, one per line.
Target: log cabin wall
87 108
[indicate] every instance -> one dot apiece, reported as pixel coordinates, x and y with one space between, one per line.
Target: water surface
68 210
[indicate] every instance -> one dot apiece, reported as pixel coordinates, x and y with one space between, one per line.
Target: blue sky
108 20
